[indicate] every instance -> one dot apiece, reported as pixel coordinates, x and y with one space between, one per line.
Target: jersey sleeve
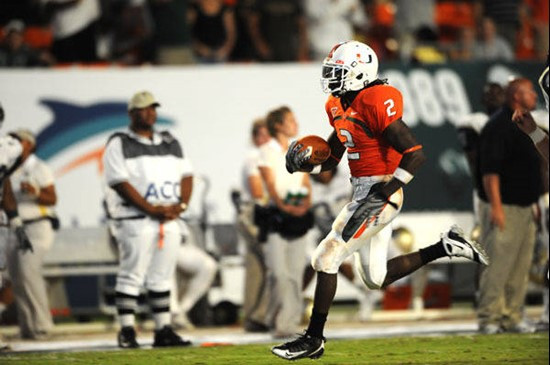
387 108
114 164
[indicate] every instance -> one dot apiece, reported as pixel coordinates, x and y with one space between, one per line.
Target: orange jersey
360 128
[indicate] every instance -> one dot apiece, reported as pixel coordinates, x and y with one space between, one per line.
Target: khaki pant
286 262
29 288
175 55
503 284
256 292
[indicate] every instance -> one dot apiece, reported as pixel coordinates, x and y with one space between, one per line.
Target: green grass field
496 349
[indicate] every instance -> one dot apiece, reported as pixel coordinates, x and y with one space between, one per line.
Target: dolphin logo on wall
73 124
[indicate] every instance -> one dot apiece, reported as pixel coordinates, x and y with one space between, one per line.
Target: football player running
383 156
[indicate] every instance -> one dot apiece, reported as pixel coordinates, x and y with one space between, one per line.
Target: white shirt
156 177
250 168
331 22
272 155
476 121
75 18
35 172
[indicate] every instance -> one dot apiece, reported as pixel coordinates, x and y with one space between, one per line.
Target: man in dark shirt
512 181
470 128
14 52
278 30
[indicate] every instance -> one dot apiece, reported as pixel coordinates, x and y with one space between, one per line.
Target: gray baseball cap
142 99
14 25
25 135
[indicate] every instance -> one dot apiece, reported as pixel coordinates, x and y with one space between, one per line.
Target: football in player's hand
320 149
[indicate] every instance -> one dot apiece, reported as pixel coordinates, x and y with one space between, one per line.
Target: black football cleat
127 338
166 337
302 347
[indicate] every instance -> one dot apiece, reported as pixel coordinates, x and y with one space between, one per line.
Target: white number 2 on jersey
349 144
390 103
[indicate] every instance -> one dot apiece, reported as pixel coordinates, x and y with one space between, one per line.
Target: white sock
161 319
126 320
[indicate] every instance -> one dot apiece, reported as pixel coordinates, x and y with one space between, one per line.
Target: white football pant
201 269
147 257
370 244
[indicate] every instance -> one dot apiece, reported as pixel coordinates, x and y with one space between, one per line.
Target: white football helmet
349 66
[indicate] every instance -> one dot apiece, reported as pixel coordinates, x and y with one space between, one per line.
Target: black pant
79 47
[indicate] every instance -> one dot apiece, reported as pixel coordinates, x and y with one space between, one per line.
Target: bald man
512 181
527 124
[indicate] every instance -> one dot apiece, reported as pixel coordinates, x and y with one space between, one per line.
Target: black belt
34 220
133 217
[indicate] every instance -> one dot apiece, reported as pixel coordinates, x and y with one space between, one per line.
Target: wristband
403 175
316 170
537 135
413 148
16 222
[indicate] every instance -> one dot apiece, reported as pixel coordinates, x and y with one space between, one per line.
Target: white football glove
295 159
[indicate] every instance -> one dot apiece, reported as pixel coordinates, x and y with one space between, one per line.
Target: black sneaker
303 346
166 337
127 338
253 326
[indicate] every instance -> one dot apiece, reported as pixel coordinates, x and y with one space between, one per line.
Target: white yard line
240 338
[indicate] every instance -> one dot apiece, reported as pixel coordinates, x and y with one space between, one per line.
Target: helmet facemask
333 78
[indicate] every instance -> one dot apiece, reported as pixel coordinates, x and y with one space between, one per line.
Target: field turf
472 349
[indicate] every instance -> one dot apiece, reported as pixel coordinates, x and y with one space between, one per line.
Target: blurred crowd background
137 32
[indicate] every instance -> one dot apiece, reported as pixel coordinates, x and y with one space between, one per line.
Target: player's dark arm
44 195
526 123
337 150
400 137
47 195
186 188
132 197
